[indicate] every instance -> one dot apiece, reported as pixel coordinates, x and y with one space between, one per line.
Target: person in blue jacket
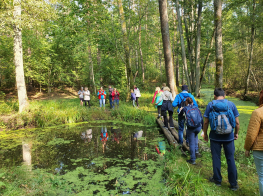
179 102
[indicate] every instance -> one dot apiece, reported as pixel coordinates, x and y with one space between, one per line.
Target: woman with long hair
156 97
254 140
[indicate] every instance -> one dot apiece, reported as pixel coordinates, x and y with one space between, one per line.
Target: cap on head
219 92
184 88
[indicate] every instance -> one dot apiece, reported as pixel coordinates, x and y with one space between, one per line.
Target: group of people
222 115
114 96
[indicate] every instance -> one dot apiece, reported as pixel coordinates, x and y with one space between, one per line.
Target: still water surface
100 159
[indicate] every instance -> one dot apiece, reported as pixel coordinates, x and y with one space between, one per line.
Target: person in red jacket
115 98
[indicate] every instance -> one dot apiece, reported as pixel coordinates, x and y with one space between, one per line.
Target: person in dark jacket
192 132
178 102
110 96
167 99
115 98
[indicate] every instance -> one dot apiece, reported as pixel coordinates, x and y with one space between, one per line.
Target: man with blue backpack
179 102
222 115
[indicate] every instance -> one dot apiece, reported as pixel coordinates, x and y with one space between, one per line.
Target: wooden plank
167 133
175 134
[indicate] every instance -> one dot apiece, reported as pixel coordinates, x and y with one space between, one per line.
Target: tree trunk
18 57
140 47
167 46
91 69
251 47
218 43
160 60
182 45
126 47
175 52
198 44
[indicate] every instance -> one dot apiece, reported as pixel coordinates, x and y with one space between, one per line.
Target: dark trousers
137 101
192 135
181 121
229 148
164 114
85 101
159 110
110 98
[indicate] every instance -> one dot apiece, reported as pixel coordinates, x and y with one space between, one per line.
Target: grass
46 113
185 179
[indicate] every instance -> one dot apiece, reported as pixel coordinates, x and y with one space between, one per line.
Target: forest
49 49
104 42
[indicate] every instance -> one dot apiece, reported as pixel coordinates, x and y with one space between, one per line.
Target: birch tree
18 57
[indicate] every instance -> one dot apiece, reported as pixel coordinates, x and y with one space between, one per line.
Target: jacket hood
166 94
184 95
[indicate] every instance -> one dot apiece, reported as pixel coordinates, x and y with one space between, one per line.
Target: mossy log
202 145
175 134
167 133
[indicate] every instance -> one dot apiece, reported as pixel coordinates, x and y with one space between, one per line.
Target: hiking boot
198 155
234 188
211 179
191 162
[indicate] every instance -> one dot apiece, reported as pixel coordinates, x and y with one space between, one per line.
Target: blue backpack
193 116
221 118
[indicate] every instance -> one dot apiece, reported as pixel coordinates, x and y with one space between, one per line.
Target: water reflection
86 135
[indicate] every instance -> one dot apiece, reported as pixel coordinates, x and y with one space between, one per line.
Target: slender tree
218 43
166 46
18 57
182 45
198 45
126 46
251 47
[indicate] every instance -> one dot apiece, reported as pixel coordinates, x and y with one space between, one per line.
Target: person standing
156 97
115 98
110 95
254 140
133 98
101 95
81 94
194 123
137 94
222 115
179 102
86 96
167 99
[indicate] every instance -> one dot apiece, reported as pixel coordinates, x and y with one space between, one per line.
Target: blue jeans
110 98
229 148
181 120
102 101
192 135
133 103
258 158
116 103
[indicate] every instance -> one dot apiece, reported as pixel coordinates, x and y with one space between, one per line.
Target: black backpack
182 104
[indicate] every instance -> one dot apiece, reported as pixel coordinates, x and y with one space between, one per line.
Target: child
194 123
133 98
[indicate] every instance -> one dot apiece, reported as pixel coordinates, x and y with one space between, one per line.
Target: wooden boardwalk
173 138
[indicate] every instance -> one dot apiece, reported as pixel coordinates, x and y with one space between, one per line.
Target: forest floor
181 178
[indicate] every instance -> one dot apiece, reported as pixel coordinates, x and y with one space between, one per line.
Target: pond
91 158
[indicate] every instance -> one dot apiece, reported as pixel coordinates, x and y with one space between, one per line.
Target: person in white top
81 94
137 94
86 96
